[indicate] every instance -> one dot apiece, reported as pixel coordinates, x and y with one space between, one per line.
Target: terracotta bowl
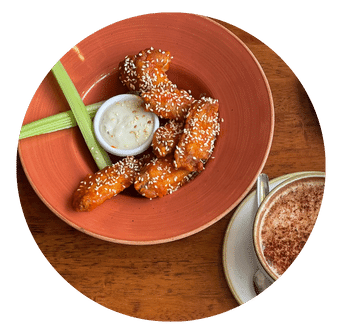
208 60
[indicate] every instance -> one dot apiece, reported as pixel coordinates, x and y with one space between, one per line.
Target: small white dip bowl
98 119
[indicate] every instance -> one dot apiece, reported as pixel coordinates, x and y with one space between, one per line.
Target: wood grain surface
184 279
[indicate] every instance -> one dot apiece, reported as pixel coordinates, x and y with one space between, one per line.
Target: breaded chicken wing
168 102
145 70
159 177
197 141
166 138
104 184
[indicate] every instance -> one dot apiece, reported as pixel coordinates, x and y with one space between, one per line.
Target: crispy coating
145 73
104 184
145 70
166 138
197 141
168 102
159 177
160 59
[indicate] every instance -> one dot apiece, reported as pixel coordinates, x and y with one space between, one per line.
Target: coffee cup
284 221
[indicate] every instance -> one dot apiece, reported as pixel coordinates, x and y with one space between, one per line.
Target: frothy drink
288 222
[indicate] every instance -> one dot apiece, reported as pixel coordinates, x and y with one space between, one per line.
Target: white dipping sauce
126 125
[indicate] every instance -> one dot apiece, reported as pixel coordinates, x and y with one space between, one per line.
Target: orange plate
208 59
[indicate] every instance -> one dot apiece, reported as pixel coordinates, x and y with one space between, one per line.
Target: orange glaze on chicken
197 141
166 138
96 188
159 177
168 102
146 70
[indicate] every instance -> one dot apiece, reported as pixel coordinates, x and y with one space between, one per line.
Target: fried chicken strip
145 74
166 138
168 102
145 70
96 188
159 177
197 141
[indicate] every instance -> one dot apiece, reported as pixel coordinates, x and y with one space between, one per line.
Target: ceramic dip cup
123 127
284 221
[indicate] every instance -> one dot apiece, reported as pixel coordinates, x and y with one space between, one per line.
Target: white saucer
239 258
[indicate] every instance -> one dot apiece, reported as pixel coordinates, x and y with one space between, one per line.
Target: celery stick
81 116
60 121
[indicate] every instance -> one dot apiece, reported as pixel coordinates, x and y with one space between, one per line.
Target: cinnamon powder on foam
289 222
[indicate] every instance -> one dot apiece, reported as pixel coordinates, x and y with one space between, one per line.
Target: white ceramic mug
284 221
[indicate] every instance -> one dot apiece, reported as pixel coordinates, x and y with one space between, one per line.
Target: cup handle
262 187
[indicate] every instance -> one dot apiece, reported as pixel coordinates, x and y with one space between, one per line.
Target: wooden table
181 280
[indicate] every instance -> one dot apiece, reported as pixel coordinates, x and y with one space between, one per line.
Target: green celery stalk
60 121
81 115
